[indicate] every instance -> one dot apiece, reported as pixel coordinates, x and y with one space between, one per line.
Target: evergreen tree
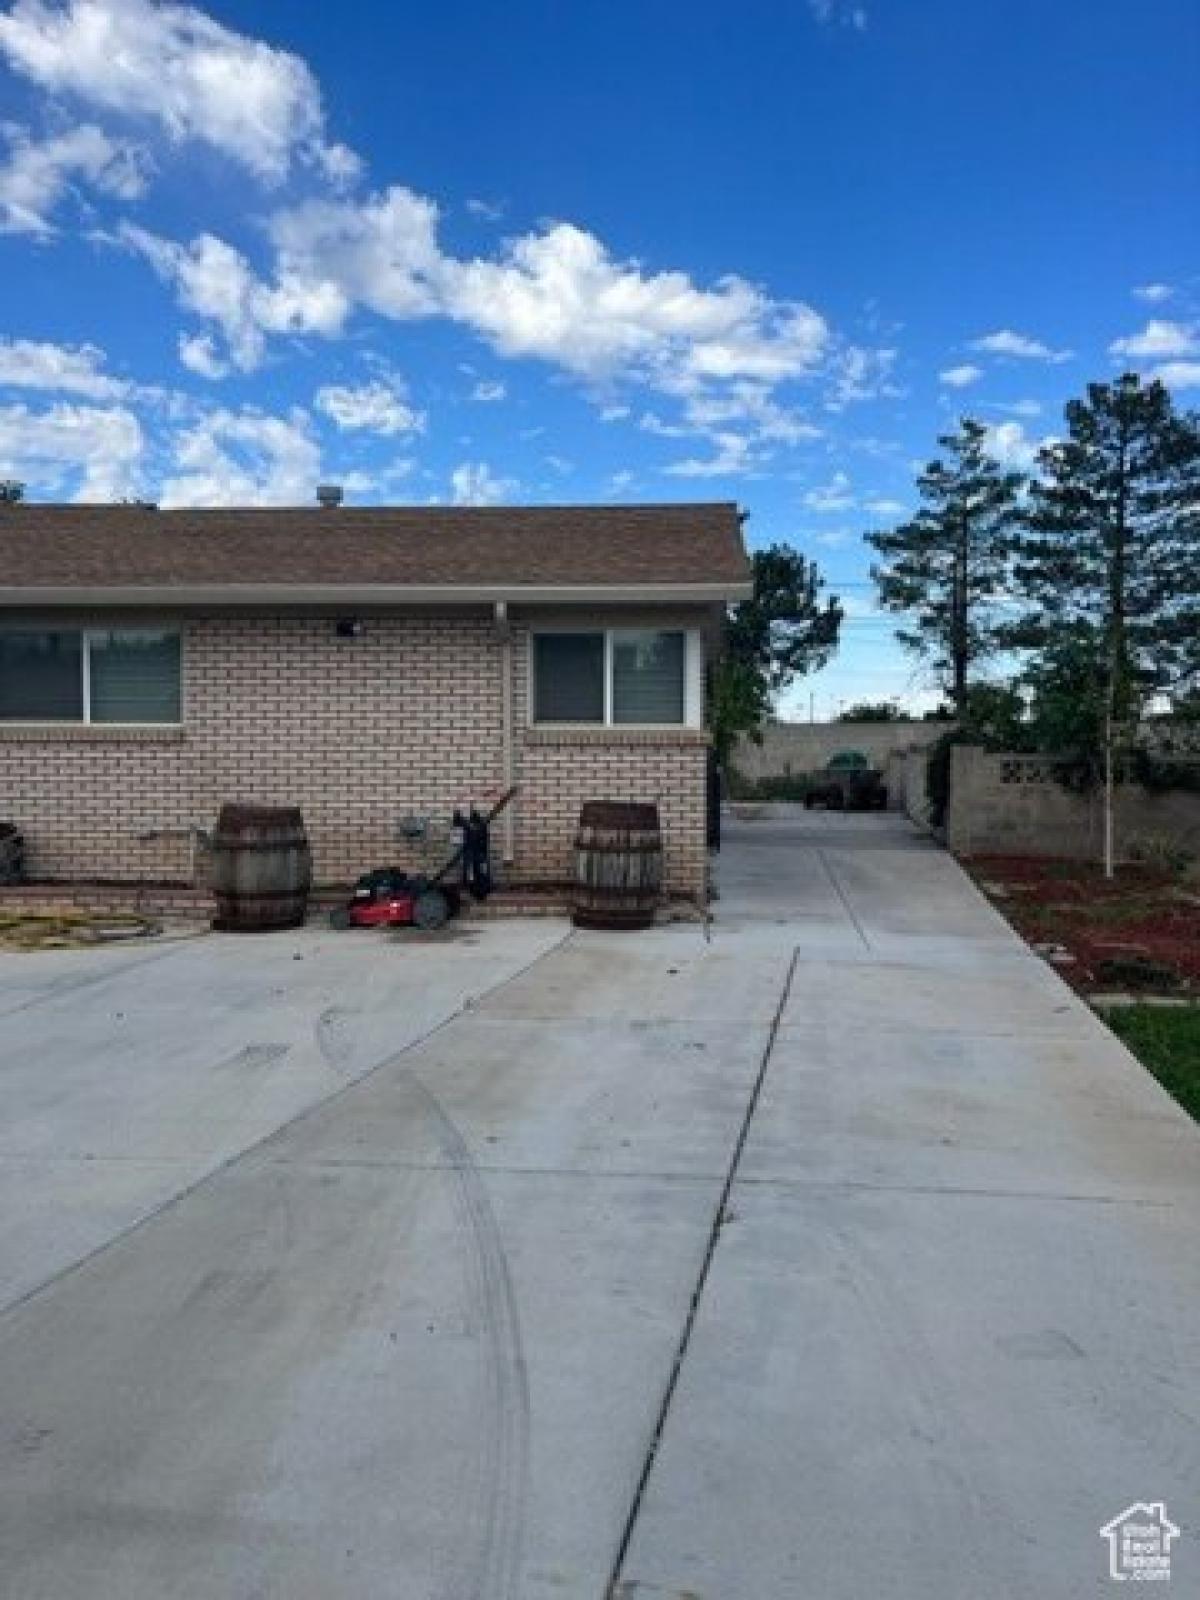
786 628
947 568
1111 541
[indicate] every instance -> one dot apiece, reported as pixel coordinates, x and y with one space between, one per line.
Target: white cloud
1006 342
473 483
485 210
718 351
214 280
244 458
614 413
1160 340
1011 446
97 448
1022 408
381 253
848 12
960 377
489 391
733 457
836 495
176 66
199 355
1154 293
556 296
559 296
651 422
881 506
36 174
64 369
861 374
374 407
1178 374
749 405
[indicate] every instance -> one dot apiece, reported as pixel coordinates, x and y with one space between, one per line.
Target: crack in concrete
615 1585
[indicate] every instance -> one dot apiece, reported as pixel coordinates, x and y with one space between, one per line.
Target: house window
568 677
647 677
41 676
617 676
125 675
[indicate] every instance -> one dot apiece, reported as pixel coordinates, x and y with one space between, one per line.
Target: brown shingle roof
121 547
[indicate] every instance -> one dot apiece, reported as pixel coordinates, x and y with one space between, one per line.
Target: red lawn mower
389 898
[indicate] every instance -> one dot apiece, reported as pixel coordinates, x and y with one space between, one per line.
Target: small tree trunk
1108 793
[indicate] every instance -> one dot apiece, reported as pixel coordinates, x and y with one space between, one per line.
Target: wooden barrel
618 865
261 869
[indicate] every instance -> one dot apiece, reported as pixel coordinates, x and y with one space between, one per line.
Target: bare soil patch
1139 930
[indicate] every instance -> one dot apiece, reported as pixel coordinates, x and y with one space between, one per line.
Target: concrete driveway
841 1253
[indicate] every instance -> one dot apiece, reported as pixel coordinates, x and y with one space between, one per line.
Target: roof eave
255 596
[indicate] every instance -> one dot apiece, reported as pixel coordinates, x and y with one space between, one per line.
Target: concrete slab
1008 1113
662 1099
926 1394
366 1381
948 1328
127 1075
402 1269
932 995
667 974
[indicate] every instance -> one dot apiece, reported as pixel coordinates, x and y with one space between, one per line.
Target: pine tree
1111 541
947 568
788 627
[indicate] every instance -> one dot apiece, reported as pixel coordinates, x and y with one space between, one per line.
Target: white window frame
85 658
693 675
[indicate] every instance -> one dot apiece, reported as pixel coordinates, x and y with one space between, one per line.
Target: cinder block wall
1013 804
793 748
405 719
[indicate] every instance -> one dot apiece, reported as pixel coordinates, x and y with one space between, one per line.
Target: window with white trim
623 677
129 676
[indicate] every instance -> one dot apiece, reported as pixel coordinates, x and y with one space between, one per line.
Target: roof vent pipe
329 495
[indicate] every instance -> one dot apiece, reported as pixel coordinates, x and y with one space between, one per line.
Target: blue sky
762 251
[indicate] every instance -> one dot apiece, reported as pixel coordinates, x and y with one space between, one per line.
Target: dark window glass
41 676
135 676
568 677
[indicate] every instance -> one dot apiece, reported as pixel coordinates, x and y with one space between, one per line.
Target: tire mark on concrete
504 1443
250 1057
263 1144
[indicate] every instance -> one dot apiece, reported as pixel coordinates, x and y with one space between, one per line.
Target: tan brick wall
406 718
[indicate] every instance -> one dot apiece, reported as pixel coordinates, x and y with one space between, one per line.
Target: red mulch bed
1142 914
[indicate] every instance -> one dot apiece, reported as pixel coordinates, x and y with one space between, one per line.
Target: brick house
363 663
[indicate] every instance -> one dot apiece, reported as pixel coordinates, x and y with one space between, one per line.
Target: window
127 675
134 676
647 677
41 677
618 676
568 677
